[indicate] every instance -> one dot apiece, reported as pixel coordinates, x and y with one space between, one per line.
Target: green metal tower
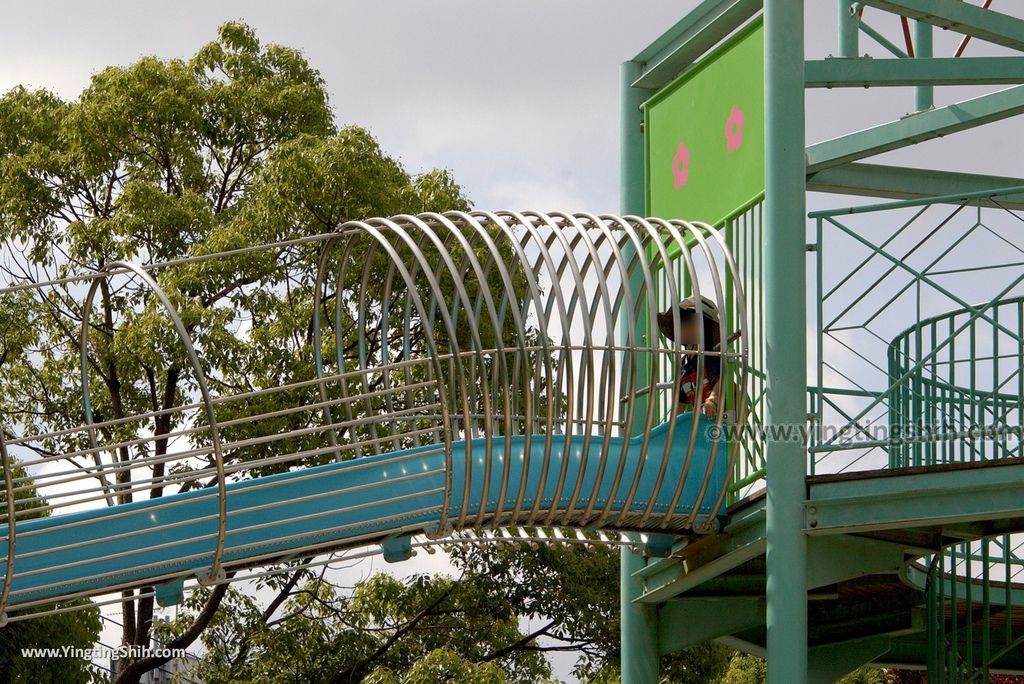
875 516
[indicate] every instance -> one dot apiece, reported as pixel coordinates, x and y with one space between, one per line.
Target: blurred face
691 331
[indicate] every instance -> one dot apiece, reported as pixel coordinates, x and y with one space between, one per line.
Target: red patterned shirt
688 385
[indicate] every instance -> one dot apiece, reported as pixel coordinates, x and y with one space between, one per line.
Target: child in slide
689 329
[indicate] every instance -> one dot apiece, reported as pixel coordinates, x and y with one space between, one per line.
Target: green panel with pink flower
705 134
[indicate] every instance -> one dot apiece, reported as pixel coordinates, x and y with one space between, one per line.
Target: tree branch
355 672
132 673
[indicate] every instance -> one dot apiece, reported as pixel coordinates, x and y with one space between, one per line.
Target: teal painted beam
830 662
925 93
989 193
918 578
959 16
904 183
701 15
679 577
916 128
633 325
742 539
867 72
895 617
785 218
882 40
744 646
848 29
912 650
737 584
640 663
696 33
921 499
691 621
833 559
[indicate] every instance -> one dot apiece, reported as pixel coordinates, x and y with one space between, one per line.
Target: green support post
925 94
848 29
638 622
786 333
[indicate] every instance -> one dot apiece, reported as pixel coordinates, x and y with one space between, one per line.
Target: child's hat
708 308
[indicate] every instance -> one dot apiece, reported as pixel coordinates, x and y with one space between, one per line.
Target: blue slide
353 503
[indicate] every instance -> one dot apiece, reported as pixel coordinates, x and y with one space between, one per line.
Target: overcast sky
519 99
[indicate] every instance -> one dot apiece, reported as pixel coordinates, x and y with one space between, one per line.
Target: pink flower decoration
734 129
681 166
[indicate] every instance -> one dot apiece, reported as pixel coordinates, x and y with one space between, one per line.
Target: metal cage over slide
470 374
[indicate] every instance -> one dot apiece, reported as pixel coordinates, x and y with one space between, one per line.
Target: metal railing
910 344
920 341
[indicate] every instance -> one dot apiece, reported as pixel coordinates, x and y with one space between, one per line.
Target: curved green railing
956 396
957 390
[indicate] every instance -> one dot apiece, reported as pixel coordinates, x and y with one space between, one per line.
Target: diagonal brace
959 16
916 128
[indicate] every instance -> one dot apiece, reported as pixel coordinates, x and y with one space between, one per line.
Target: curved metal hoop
502 370
12 531
518 312
216 571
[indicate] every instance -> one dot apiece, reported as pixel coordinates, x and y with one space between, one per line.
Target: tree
438 628
441 665
746 669
78 629
234 147
384 629
156 161
865 675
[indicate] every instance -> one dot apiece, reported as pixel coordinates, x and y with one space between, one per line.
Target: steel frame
834 166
